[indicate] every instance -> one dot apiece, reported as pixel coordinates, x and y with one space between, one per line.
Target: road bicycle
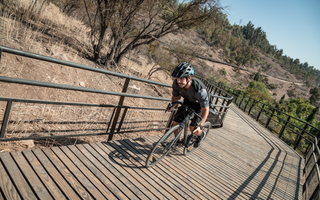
168 141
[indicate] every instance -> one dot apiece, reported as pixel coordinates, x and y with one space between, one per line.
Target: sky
291 25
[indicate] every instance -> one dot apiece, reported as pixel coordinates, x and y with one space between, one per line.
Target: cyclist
195 96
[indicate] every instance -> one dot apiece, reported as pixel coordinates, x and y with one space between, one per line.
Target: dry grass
36 26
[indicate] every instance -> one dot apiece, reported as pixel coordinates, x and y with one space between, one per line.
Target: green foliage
315 95
259 91
223 83
223 71
257 77
312 116
282 99
291 93
272 86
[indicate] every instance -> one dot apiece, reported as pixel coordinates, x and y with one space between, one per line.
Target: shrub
223 71
274 94
272 86
259 91
291 93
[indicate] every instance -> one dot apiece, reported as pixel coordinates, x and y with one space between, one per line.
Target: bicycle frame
184 125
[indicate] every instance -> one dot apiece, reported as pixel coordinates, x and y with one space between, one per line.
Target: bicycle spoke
189 148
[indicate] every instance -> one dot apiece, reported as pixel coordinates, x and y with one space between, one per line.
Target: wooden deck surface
242 160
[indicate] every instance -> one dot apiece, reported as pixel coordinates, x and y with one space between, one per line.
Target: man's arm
173 99
204 114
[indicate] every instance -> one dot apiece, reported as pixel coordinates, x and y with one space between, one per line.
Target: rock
64 57
135 72
133 89
27 143
82 84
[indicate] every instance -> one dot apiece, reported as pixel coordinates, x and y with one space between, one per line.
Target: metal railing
37 119
296 133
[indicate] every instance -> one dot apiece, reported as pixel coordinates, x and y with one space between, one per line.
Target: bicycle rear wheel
163 146
189 148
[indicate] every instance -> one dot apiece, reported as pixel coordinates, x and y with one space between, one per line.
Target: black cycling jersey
196 94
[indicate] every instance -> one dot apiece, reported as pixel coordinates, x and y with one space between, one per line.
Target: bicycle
168 141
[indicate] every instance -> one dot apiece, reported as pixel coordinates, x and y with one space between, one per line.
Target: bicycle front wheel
163 146
189 148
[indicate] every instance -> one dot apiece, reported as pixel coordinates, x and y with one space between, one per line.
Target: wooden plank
19 181
65 188
208 186
217 184
139 163
116 186
43 175
128 172
30 175
235 163
150 178
68 176
161 180
88 173
6 186
1 196
86 183
179 177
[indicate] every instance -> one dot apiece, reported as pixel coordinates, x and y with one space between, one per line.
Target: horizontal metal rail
71 64
74 88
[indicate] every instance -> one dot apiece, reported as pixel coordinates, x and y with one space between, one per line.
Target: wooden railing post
284 127
118 109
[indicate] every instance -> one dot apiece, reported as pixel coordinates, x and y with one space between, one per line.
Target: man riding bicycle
195 96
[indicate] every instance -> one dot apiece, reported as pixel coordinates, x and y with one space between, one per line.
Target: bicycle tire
160 149
189 148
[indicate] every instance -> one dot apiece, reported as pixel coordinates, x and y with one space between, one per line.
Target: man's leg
176 131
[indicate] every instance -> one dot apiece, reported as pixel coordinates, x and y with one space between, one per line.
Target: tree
259 91
257 77
315 95
312 115
282 99
138 22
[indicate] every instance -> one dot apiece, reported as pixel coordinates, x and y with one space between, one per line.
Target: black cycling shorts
182 113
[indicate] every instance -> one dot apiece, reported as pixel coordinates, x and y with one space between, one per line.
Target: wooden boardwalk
242 160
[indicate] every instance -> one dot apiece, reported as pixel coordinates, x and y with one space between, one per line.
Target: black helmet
183 70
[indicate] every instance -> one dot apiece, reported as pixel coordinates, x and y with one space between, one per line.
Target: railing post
253 103
122 118
244 95
246 104
118 109
5 119
284 127
260 112
268 122
298 139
